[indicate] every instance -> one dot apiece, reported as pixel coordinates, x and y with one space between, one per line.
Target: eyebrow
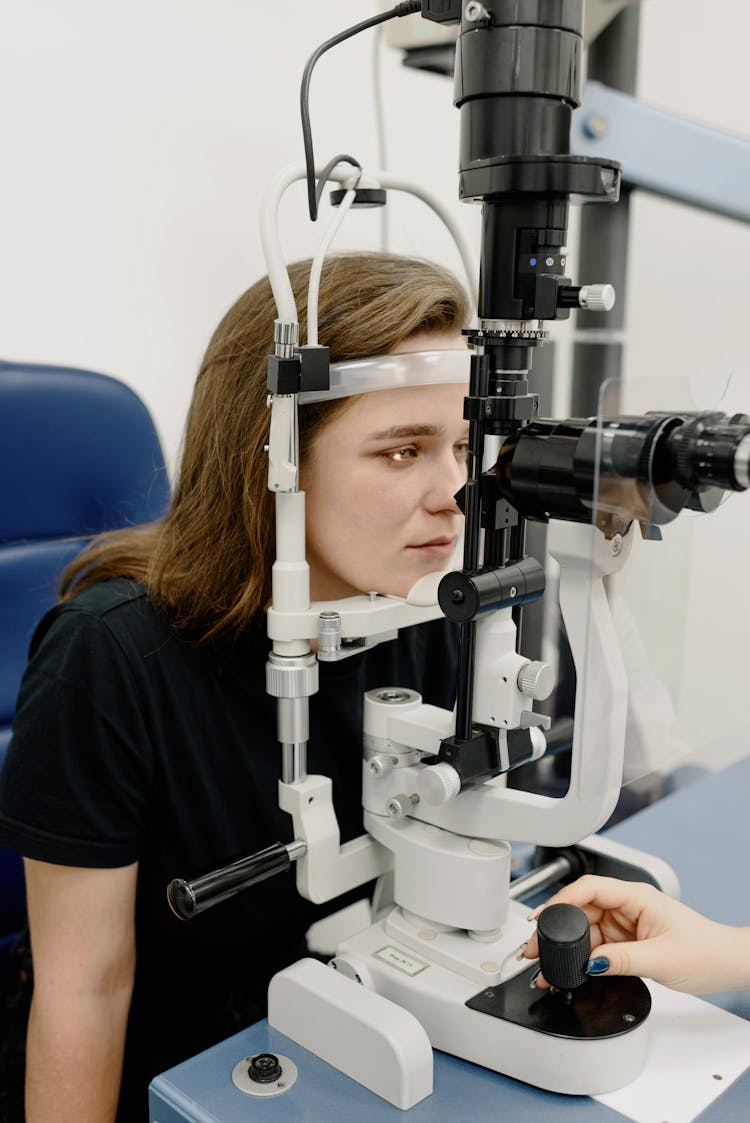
401 432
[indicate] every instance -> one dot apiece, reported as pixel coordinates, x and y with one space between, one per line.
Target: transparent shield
680 604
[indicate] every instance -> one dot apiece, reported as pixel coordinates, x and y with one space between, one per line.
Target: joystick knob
564 946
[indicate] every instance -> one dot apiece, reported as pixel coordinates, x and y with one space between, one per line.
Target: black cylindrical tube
519 234
465 596
188 898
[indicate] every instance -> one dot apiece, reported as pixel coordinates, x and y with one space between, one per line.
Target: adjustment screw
401 805
381 765
536 680
597 298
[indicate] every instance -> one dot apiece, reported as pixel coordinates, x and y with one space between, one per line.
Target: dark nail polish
534 977
598 966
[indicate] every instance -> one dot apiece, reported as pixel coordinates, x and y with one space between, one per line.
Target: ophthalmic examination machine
436 967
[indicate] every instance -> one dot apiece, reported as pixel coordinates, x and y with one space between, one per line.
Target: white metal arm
494 812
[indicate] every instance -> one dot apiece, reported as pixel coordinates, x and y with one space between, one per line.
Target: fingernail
533 915
521 950
534 977
598 966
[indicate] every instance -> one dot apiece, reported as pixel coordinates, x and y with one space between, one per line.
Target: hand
636 930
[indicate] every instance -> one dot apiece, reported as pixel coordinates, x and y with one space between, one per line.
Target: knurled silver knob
597 298
285 337
536 680
437 783
401 805
293 677
381 765
329 635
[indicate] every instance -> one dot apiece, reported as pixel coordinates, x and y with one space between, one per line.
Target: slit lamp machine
436 967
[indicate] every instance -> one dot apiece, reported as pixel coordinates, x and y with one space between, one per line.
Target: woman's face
380 481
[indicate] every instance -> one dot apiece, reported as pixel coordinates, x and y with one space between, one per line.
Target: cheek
359 507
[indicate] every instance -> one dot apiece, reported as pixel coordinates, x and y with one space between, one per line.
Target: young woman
145 745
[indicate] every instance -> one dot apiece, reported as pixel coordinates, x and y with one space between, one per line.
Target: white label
395 958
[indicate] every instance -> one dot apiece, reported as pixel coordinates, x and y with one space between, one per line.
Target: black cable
314 191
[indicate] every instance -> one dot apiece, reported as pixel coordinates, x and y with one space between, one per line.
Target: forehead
440 405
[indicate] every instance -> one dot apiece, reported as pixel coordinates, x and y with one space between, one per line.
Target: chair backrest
79 454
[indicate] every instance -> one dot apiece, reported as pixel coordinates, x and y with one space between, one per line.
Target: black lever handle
188 898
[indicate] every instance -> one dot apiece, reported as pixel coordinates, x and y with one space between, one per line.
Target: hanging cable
314 191
377 89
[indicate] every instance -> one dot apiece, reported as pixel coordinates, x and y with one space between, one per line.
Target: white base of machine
436 996
377 1043
326 1010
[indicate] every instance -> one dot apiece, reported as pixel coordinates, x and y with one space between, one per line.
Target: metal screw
628 1017
475 11
400 805
513 591
616 545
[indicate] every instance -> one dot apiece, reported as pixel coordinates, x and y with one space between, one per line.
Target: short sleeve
76 785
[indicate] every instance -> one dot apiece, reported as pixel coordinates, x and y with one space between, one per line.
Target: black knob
264 1068
564 946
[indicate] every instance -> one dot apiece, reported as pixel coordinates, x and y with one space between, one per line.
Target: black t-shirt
131 745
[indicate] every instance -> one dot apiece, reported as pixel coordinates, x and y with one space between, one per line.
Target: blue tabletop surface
703 832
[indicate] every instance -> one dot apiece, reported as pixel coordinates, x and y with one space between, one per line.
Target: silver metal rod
296 849
293 762
540 878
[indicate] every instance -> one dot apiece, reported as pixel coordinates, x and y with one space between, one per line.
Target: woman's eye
401 455
461 449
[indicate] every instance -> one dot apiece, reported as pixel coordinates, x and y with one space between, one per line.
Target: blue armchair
79 454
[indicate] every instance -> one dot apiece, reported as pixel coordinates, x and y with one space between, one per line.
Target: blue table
703 831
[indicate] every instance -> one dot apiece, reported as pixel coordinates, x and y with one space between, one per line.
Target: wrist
740 940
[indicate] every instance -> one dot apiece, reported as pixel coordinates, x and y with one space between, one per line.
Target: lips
436 547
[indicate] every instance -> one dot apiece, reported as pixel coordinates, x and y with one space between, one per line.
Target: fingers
600 898
605 894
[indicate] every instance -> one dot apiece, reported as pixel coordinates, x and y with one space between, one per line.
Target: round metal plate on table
241 1080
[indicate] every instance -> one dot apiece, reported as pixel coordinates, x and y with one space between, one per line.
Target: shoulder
112 621
116 606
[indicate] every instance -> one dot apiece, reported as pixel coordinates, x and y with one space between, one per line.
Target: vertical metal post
603 252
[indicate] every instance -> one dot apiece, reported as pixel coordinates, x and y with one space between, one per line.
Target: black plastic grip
564 946
188 898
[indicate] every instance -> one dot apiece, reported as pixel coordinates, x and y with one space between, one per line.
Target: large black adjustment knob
564 946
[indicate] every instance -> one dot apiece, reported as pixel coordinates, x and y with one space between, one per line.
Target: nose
446 479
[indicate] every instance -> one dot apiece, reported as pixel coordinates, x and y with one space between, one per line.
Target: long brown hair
207 564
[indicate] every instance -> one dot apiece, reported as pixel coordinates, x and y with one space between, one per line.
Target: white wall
137 139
